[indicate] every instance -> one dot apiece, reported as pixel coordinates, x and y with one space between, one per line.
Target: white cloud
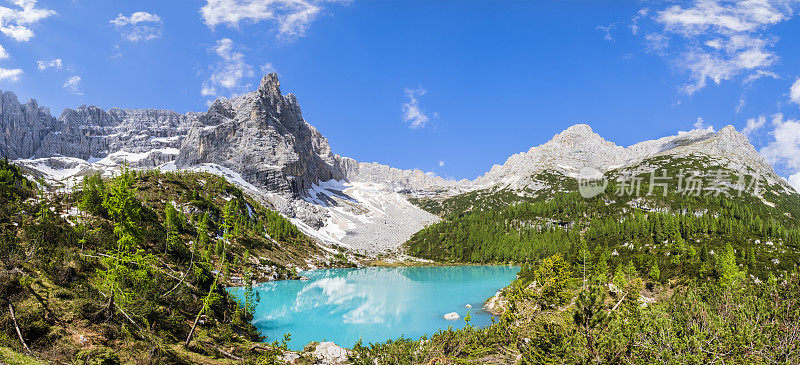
136 18
701 125
72 84
43 65
657 43
754 124
759 75
267 68
3 53
607 31
15 22
784 150
412 112
441 163
291 17
139 26
230 73
12 75
794 181
634 26
794 92
721 39
740 105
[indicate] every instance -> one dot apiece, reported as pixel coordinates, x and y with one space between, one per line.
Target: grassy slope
52 261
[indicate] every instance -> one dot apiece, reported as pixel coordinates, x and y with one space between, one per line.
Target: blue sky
450 87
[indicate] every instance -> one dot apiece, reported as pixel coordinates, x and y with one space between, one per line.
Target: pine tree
751 257
620 278
202 238
127 269
692 254
589 317
93 191
124 210
727 271
251 295
600 272
584 256
655 273
172 223
552 277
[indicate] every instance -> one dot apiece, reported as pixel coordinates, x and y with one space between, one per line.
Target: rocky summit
262 136
579 147
261 142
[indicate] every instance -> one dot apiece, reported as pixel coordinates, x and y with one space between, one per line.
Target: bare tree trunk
191 265
194 325
620 302
110 307
48 311
131 320
226 353
19 333
200 313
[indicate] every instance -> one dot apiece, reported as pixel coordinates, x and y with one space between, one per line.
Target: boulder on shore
496 305
329 353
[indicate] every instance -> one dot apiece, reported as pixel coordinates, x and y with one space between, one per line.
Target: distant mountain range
261 142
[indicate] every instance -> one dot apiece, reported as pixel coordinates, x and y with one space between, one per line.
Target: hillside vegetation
681 233
550 316
620 278
133 268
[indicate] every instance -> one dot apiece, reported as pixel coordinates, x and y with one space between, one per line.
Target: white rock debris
328 353
452 316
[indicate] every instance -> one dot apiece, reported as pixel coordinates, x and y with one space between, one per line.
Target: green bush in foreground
742 322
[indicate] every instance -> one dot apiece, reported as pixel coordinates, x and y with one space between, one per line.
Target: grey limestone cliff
262 136
89 132
22 127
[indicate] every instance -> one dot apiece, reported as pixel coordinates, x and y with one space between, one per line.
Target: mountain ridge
578 147
260 139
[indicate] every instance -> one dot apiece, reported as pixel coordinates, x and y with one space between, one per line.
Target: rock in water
451 316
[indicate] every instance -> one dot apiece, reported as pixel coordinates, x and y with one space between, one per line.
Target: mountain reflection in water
375 303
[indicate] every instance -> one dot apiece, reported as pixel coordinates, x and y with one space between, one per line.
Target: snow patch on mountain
365 216
261 142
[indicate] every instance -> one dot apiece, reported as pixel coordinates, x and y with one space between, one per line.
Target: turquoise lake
375 303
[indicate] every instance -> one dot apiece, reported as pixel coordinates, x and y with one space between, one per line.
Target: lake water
375 303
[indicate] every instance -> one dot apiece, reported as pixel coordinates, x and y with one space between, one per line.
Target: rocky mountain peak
262 141
270 84
732 136
579 129
578 147
22 127
262 136
268 95
85 115
578 136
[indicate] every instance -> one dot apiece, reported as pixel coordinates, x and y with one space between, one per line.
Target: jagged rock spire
263 136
